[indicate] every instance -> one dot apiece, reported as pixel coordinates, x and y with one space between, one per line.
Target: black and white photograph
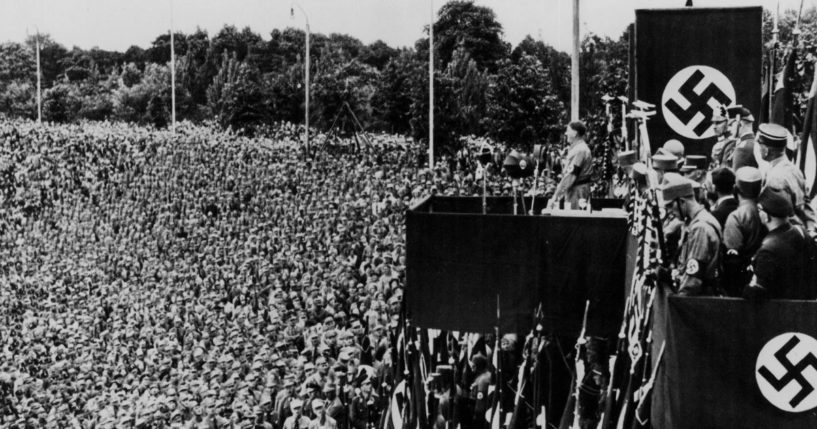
408 214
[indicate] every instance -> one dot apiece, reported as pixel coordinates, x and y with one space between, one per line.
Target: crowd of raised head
200 279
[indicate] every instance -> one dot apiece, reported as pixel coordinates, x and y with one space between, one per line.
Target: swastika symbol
698 103
690 97
794 371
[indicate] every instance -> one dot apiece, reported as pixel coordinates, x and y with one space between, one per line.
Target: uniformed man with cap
672 147
363 411
623 186
780 264
297 420
695 167
744 153
698 262
663 164
742 233
725 143
783 174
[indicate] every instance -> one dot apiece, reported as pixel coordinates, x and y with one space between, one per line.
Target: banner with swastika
735 363
690 61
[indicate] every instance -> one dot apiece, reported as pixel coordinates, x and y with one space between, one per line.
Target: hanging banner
690 61
735 363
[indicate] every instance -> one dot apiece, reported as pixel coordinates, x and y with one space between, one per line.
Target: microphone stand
535 188
484 189
515 183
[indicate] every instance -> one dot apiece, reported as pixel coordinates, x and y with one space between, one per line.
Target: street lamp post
306 76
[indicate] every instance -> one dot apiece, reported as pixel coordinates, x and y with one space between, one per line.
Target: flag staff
172 74
431 88
306 76
39 81
574 66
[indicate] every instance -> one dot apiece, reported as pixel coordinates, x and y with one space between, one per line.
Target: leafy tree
52 55
391 103
604 70
377 54
234 42
159 51
556 62
135 55
523 108
235 96
461 23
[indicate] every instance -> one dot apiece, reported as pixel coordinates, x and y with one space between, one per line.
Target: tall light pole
39 75
574 65
39 82
431 89
172 74
306 76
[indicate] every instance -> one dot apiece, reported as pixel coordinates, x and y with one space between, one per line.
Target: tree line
483 85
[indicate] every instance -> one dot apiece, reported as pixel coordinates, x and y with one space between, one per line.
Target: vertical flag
808 143
782 105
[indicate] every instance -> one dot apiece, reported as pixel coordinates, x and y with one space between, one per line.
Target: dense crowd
201 279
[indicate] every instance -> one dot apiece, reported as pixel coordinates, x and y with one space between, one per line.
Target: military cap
627 158
775 202
772 135
723 179
639 171
676 186
747 181
672 147
665 162
719 114
694 162
745 114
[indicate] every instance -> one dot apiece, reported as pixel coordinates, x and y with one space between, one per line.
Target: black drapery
459 261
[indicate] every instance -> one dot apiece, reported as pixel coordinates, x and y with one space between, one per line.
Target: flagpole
172 74
574 66
306 76
39 82
431 88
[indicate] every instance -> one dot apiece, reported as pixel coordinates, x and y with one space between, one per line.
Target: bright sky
118 24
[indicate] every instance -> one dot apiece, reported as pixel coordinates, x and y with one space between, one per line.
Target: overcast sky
118 24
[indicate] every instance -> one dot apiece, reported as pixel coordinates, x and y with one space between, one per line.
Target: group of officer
737 222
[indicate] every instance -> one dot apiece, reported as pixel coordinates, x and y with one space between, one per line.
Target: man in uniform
723 184
743 232
478 393
694 168
744 153
575 183
698 262
780 264
363 412
663 164
725 144
783 174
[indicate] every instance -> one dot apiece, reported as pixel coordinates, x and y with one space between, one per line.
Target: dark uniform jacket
744 154
699 257
363 411
779 266
723 208
742 236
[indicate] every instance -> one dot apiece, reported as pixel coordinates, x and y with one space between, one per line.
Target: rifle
645 390
578 377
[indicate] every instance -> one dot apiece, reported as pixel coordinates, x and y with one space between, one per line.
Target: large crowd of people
201 279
